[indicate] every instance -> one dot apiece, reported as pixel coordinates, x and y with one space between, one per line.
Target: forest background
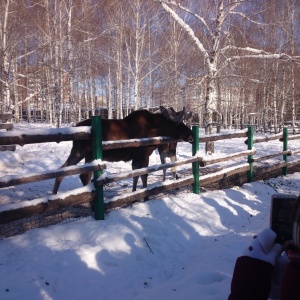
230 62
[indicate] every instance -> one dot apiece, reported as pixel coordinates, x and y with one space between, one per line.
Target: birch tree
137 47
214 48
236 57
5 64
15 49
293 15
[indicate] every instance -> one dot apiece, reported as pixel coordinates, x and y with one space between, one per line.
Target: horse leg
163 153
163 159
141 160
74 158
136 179
135 165
174 171
86 177
144 181
172 154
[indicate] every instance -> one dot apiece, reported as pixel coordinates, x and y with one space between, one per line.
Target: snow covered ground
179 246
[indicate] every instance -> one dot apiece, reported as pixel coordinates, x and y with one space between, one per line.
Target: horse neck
169 130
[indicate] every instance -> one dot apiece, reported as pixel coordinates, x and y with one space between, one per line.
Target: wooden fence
12 212
6 123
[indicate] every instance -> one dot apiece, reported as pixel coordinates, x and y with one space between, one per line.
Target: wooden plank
129 174
8 148
256 159
6 126
293 163
266 138
6 116
76 133
76 197
221 136
107 145
209 178
292 137
44 136
263 169
47 205
133 197
12 180
210 161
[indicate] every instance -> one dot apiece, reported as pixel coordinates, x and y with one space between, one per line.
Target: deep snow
179 246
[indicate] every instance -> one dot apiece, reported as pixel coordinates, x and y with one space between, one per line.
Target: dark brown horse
139 124
169 150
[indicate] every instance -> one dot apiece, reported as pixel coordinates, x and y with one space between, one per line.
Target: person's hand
252 276
263 247
278 273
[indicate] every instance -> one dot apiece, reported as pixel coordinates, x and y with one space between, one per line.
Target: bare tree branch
201 19
186 27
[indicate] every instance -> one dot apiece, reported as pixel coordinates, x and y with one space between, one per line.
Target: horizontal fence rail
18 137
17 211
12 180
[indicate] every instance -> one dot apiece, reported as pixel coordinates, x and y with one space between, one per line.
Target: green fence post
250 157
285 147
97 154
195 149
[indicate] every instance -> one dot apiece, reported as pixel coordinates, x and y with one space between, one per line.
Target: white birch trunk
109 96
293 66
136 69
70 66
5 59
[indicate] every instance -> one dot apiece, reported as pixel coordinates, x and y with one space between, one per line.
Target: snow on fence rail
88 193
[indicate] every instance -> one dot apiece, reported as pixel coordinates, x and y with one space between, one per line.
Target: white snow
180 246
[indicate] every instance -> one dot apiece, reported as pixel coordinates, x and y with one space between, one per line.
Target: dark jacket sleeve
290 288
251 279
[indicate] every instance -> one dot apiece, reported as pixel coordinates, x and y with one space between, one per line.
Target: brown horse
169 150
138 124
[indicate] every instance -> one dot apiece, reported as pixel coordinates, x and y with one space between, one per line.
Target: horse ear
172 115
172 110
179 118
164 112
168 114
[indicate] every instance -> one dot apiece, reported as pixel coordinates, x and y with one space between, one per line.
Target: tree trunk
5 60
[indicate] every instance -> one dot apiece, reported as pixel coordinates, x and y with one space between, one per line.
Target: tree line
232 62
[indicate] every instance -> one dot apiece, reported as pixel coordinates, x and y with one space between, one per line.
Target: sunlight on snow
88 255
244 206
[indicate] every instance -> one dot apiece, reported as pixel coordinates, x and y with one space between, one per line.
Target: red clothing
252 280
290 288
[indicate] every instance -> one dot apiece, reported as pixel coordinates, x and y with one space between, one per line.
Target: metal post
195 149
285 147
97 154
250 157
